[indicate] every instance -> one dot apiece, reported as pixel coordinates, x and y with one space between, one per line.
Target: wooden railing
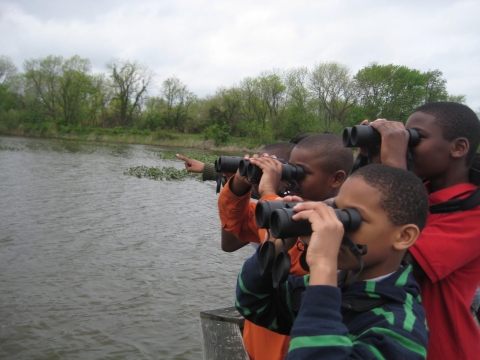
222 334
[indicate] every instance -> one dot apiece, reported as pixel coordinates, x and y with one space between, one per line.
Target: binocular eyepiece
365 135
277 216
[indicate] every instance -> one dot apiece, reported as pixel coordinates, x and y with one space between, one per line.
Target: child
326 163
379 316
448 250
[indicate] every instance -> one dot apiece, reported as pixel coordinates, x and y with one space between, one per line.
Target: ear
460 147
338 178
407 235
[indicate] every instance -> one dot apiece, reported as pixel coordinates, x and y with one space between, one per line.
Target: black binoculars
277 215
365 135
228 164
253 173
290 173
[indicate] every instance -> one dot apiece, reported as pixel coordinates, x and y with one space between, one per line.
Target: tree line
275 105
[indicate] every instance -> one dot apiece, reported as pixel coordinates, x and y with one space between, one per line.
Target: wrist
239 187
323 273
266 191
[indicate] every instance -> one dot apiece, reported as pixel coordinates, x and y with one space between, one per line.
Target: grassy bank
134 136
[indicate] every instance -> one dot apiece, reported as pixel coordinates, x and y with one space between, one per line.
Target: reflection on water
98 264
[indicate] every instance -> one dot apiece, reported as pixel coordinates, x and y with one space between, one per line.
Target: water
95 264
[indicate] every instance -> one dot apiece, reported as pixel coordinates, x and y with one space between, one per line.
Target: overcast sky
208 44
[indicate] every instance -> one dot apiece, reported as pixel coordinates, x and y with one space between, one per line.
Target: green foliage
206 158
356 115
163 135
10 148
161 173
220 135
60 96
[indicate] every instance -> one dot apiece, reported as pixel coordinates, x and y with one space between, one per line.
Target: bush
117 130
219 135
163 135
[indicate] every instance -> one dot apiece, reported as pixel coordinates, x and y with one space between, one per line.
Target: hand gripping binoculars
290 173
277 216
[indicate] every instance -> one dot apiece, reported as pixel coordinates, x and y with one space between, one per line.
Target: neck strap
455 205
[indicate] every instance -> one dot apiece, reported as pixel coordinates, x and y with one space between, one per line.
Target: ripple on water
98 264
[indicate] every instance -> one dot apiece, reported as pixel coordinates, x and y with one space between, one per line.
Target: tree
131 81
98 99
299 112
74 88
262 97
43 77
390 91
334 89
435 86
457 98
178 101
7 69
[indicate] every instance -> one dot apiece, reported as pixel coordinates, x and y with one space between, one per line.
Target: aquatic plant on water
161 173
9 148
206 158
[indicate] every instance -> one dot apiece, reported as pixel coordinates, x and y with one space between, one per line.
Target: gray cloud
213 43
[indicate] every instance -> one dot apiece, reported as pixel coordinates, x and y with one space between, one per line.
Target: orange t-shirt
237 215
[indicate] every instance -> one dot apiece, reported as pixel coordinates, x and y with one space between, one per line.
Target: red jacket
448 250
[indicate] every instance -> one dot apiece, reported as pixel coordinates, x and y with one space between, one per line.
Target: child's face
431 156
376 231
316 185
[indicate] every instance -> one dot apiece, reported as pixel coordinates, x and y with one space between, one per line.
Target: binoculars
228 164
365 135
253 173
277 215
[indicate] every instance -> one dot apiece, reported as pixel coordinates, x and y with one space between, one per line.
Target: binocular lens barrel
227 164
365 135
289 172
282 226
264 210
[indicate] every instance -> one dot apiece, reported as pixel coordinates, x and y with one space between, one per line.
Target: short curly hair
402 194
329 149
456 120
281 150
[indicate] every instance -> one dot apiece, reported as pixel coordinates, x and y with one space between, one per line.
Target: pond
98 264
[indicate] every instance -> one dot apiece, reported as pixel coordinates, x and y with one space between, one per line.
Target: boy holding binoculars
379 316
326 163
447 254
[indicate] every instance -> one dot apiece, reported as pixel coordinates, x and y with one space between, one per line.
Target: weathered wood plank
222 336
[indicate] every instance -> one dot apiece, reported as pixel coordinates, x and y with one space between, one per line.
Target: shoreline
192 141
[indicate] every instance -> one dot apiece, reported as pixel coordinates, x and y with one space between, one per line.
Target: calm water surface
95 264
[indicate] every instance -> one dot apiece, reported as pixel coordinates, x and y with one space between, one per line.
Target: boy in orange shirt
326 163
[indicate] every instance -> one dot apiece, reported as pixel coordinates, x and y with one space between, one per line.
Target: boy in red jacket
447 253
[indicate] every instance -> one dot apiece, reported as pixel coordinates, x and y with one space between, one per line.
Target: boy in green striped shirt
347 308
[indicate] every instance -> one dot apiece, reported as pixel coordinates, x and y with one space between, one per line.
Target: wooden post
222 334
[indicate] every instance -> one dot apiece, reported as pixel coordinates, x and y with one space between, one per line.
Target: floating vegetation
200 157
161 173
9 148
